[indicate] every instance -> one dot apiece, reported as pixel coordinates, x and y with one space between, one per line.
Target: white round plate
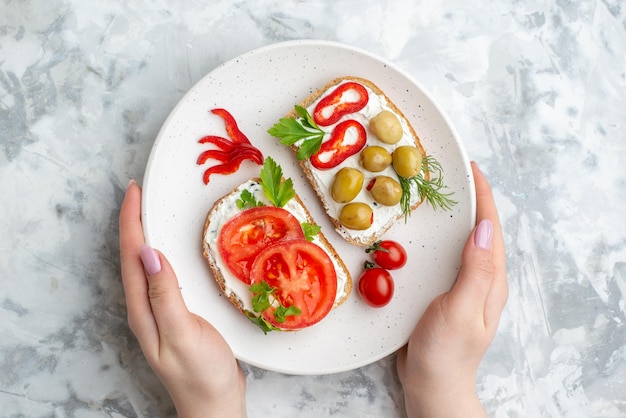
258 88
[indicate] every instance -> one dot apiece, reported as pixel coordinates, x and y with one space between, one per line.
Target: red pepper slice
337 105
222 143
215 154
227 168
247 152
231 126
334 151
227 148
231 160
230 153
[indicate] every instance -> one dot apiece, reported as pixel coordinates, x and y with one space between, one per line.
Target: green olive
356 215
346 185
407 161
386 127
375 158
385 190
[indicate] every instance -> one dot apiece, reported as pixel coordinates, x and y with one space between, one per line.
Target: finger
474 281
168 307
486 209
401 363
140 317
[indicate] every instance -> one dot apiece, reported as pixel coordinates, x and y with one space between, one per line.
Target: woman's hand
438 367
191 358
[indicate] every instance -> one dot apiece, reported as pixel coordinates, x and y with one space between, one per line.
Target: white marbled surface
537 90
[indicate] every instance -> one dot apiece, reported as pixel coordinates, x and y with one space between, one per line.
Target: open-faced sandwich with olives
362 157
270 258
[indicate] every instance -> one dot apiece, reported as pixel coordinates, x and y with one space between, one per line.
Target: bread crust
217 271
323 195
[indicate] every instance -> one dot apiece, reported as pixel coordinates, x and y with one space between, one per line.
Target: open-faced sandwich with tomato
270 258
363 158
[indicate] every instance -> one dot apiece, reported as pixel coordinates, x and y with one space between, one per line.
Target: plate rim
322 44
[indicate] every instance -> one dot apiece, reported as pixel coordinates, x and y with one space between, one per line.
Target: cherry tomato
340 146
304 276
376 287
347 98
388 254
246 234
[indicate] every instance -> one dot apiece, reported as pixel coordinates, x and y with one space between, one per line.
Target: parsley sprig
247 200
428 189
278 190
304 129
310 230
263 297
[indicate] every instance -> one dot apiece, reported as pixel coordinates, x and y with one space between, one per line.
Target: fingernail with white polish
150 260
483 234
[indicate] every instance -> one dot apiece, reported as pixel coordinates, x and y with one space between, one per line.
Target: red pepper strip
231 153
231 126
222 143
215 154
253 154
336 146
226 145
228 149
338 106
227 168
248 152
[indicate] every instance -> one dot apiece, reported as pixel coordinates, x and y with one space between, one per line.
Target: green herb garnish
262 323
310 230
430 189
263 297
277 190
247 200
281 313
376 247
292 130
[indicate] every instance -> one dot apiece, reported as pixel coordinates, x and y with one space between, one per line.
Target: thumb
477 271
166 301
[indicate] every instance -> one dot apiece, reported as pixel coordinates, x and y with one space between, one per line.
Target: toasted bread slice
383 216
235 290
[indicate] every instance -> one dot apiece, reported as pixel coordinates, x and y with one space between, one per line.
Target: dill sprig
427 189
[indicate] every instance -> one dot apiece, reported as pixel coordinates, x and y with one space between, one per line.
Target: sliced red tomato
246 234
347 98
304 277
341 145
